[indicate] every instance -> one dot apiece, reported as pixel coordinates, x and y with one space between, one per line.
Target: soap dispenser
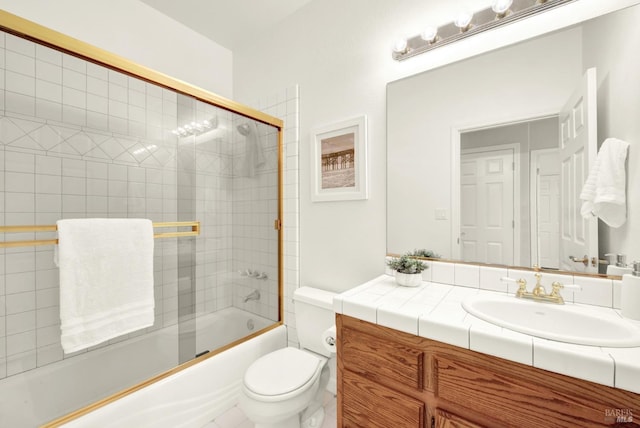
630 299
620 268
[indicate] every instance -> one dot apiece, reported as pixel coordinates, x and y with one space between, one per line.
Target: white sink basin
564 323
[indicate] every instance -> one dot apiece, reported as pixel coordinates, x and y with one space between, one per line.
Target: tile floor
234 418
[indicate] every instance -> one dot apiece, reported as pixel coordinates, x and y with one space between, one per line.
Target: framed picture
339 161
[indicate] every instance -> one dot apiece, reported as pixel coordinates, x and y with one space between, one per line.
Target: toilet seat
282 374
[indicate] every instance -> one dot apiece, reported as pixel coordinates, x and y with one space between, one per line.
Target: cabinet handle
433 422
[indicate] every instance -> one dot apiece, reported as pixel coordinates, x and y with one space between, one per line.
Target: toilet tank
314 314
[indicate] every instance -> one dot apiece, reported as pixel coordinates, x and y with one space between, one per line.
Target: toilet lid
281 371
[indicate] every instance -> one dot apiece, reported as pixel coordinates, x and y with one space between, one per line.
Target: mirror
503 111
506 172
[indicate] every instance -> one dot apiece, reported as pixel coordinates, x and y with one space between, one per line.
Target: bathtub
41 395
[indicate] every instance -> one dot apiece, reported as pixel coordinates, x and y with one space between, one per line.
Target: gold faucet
539 293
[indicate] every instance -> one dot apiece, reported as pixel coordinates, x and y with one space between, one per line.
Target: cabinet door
381 360
448 420
369 405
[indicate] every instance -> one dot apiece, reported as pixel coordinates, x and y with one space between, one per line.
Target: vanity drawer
513 395
381 360
372 405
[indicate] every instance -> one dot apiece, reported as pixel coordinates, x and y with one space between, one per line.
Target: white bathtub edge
187 393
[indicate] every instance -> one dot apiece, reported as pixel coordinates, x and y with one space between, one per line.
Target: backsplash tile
491 279
594 291
467 275
443 273
428 272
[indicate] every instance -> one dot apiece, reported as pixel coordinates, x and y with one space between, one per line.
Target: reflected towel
254 154
106 279
604 193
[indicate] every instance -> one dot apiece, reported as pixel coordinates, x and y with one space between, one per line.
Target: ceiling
228 22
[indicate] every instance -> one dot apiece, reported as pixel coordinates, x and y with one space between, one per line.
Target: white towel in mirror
604 193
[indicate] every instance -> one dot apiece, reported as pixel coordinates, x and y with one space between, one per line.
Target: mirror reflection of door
578 149
486 202
523 137
545 208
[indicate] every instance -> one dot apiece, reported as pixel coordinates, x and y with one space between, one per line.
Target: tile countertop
434 311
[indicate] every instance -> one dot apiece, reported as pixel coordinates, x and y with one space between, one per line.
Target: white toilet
285 388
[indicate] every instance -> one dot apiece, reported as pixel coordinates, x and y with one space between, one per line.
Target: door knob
584 260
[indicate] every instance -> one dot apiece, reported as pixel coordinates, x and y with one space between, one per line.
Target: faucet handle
555 288
522 284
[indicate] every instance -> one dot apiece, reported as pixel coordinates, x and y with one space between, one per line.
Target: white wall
339 54
133 30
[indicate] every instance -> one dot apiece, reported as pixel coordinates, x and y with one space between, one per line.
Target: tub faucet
254 295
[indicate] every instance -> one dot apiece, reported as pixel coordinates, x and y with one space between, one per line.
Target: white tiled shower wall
285 105
255 208
79 140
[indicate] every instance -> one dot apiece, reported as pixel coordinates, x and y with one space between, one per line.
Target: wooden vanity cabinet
389 379
444 419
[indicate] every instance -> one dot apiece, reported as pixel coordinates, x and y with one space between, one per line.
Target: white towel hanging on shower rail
106 279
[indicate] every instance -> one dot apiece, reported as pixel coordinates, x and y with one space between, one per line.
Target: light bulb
400 45
429 34
501 7
463 20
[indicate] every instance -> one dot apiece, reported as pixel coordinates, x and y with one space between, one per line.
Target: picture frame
339 161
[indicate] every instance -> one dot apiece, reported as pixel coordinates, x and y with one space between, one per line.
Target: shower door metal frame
37 33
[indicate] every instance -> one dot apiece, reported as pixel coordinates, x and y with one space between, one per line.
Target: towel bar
194 225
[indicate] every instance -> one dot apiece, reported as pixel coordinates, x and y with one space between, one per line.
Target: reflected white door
545 208
578 149
486 206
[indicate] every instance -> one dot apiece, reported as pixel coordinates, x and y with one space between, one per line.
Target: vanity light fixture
400 46
429 34
196 128
463 21
464 25
501 8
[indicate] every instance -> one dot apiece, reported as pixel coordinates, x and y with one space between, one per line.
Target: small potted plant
425 253
408 271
